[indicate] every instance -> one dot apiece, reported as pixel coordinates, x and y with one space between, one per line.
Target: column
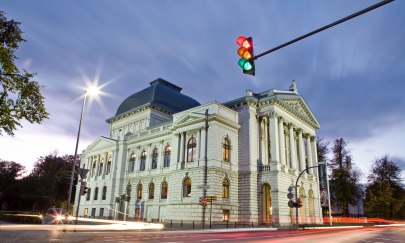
309 154
281 140
293 156
198 144
314 154
301 151
273 130
181 156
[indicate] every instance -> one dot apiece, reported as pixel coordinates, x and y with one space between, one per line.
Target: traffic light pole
205 167
296 191
377 5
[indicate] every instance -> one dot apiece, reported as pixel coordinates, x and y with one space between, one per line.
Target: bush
20 217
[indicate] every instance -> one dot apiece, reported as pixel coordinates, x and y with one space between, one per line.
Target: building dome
161 94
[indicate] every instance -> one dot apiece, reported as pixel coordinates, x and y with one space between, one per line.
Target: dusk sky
352 76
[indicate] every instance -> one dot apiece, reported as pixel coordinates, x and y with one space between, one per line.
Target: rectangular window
86 212
225 215
101 212
93 212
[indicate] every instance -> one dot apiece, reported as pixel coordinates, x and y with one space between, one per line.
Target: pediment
299 107
101 143
187 119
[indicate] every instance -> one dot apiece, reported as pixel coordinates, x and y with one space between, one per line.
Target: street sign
203 187
83 173
211 198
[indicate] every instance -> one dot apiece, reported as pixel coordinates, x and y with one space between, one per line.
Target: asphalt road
56 234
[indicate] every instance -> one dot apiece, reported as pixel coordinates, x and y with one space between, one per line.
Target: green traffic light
245 64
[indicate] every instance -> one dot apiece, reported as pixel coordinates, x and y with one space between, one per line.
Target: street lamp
91 91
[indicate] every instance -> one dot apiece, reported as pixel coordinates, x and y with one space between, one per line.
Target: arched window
187 187
154 158
109 166
139 191
93 170
143 160
225 188
191 149
226 149
151 190
104 195
168 152
96 193
129 189
100 169
131 165
164 190
88 194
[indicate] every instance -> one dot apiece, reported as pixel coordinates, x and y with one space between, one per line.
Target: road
38 234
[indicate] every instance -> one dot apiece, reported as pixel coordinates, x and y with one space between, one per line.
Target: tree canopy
20 96
385 196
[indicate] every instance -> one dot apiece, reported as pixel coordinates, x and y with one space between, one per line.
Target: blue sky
352 75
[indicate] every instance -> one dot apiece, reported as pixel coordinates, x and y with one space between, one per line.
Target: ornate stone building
166 150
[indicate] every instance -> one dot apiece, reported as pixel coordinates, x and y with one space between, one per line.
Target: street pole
327 186
80 196
75 157
205 167
296 191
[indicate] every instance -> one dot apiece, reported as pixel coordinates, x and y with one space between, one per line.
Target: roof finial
293 87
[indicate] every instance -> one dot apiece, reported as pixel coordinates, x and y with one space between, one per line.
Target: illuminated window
151 190
93 170
131 165
95 193
154 158
225 188
187 187
109 166
225 215
100 169
164 190
168 151
143 160
104 195
226 149
191 149
139 191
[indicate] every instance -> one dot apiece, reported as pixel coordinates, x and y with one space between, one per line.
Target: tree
385 195
322 149
10 172
47 184
344 186
20 96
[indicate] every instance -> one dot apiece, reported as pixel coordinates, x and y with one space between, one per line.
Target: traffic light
83 188
245 51
299 203
203 201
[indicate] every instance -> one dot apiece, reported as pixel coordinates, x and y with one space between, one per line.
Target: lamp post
89 91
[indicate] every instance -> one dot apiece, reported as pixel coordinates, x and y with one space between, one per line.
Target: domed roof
160 93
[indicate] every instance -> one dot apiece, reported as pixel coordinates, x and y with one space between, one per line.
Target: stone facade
157 163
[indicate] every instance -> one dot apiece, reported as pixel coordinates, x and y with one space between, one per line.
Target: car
54 216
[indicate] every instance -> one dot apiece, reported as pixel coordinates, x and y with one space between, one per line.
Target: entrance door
266 203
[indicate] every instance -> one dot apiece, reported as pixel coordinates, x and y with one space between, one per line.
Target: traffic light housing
83 188
299 203
203 201
245 51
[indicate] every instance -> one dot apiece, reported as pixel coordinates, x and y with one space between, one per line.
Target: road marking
211 240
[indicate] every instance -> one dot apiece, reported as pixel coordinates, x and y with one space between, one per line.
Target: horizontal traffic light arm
377 5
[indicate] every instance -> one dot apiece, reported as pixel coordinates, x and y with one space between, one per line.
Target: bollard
244 225
235 224
181 224
252 224
193 224
227 224
171 222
